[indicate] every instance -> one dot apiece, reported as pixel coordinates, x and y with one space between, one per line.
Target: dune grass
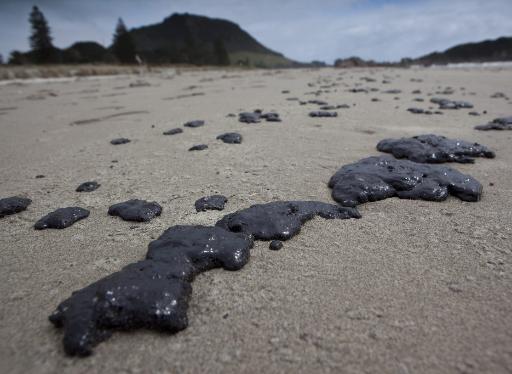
9 72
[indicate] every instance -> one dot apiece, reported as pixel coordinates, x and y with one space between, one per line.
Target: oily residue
214 202
154 293
257 116
378 178
230 138
434 149
119 141
174 131
502 123
61 218
194 124
423 111
198 147
275 245
88 186
451 104
13 205
323 113
281 220
136 210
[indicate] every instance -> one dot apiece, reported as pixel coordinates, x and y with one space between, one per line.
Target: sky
304 30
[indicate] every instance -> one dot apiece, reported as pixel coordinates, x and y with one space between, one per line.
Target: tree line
123 49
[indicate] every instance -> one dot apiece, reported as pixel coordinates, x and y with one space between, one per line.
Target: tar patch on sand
173 131
281 219
214 202
434 149
198 147
119 141
230 138
502 123
61 218
153 293
136 210
378 178
13 205
88 186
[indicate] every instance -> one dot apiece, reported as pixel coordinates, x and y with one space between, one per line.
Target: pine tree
123 45
221 54
40 38
1 59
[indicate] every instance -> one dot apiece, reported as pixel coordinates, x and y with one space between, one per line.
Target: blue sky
304 30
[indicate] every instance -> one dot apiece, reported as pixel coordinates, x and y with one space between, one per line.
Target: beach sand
412 287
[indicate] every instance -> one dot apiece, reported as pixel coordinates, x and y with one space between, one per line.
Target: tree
221 54
1 59
191 50
123 45
16 58
40 38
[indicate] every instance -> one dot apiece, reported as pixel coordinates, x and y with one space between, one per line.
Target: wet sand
413 286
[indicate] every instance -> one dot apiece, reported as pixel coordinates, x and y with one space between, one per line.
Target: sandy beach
411 287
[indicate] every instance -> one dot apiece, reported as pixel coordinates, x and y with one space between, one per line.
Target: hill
486 51
187 38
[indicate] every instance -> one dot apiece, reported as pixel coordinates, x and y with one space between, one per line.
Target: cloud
389 30
301 29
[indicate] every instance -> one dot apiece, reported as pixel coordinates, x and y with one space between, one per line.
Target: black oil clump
416 110
230 138
434 149
249 117
194 124
393 91
271 117
175 131
257 116
275 245
153 293
318 102
502 123
214 202
136 210
88 186
378 178
281 220
323 113
198 147
451 104
423 111
119 141
61 218
13 205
